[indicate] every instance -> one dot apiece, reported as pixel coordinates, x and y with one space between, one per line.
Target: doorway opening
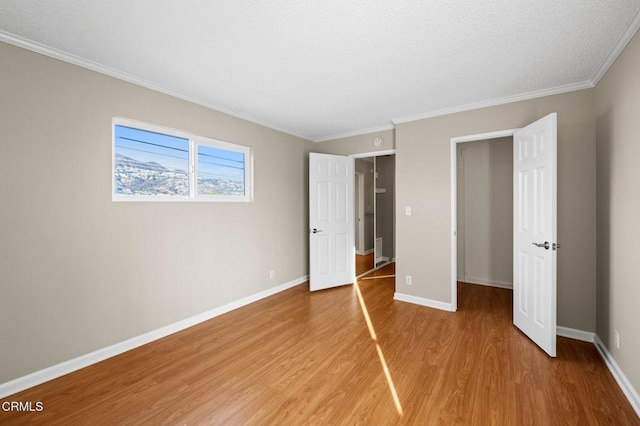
374 211
482 210
534 228
484 191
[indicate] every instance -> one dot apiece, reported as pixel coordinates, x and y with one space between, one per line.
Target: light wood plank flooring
311 358
364 263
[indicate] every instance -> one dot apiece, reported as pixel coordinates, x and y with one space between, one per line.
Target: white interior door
331 221
535 231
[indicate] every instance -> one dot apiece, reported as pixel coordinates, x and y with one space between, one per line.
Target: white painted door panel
331 221
535 231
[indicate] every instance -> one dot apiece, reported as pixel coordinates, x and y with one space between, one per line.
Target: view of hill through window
154 164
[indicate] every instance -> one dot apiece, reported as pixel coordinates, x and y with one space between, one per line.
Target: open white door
535 231
331 221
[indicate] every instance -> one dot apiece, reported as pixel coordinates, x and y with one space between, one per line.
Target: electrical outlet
408 280
616 338
272 274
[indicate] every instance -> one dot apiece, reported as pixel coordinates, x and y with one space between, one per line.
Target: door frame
454 207
373 154
460 239
369 155
359 188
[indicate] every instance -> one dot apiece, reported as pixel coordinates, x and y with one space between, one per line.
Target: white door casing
331 221
460 215
360 217
454 202
535 231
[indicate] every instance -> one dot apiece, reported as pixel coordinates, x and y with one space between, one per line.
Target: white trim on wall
376 129
453 166
374 154
364 253
498 101
488 283
359 219
422 301
53 372
34 46
43 49
622 380
572 333
454 225
625 38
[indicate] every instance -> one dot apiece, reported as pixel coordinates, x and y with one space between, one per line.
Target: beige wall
360 144
423 182
423 243
485 215
618 169
79 272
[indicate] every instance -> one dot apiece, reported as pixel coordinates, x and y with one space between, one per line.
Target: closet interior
375 212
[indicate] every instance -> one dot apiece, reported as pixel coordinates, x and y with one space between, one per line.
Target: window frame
194 142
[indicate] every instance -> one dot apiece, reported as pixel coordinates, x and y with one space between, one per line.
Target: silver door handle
545 245
315 231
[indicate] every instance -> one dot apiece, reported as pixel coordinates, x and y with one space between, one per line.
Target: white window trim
194 141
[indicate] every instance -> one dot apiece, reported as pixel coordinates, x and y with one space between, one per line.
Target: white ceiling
323 69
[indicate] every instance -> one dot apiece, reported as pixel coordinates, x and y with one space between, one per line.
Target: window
151 163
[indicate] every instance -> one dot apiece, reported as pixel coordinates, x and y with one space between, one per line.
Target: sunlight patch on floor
383 362
377 277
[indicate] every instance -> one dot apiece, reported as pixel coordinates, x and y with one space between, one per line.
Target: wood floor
364 263
312 358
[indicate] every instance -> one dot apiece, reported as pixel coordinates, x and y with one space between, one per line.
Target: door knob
315 231
545 245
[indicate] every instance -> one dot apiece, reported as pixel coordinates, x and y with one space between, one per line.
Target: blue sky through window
149 163
219 163
170 151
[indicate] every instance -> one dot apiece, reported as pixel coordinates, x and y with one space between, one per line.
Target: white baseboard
618 374
436 304
572 333
488 283
364 253
50 373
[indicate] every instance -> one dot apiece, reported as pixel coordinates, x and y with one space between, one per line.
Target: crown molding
624 39
40 48
356 133
374 154
51 52
498 101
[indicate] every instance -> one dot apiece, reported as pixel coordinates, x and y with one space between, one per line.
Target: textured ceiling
321 69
